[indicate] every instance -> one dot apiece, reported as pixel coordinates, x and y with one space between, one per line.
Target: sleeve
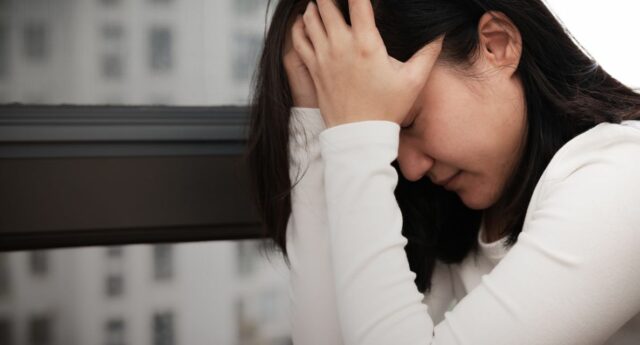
441 295
570 279
313 301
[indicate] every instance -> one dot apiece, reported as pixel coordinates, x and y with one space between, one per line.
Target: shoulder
612 145
586 199
593 181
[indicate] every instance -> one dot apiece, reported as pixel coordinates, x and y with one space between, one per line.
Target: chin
476 200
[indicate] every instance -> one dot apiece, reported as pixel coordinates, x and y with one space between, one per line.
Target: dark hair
566 93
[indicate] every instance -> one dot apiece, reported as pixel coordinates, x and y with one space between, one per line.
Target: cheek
479 191
452 117
461 129
480 153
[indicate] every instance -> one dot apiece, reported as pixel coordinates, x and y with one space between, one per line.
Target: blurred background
175 53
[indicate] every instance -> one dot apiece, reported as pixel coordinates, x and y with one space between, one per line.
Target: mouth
445 181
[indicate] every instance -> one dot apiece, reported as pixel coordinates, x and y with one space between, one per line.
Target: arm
313 308
570 279
314 313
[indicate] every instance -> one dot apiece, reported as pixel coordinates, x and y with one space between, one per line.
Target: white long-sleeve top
573 277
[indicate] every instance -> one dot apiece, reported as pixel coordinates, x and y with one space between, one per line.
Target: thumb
422 61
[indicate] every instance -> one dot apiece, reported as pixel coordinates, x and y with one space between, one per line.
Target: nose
413 163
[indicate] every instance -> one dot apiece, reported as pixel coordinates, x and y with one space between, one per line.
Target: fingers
419 66
362 17
314 27
301 43
332 18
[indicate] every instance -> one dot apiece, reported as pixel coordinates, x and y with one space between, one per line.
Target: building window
110 3
4 275
162 261
40 331
114 285
112 66
115 251
247 328
38 262
245 55
112 33
4 50
247 7
112 60
163 329
36 41
115 332
6 336
247 253
160 49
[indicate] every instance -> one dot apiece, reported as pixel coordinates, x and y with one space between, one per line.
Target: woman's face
464 126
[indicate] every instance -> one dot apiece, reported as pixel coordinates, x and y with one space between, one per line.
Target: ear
500 40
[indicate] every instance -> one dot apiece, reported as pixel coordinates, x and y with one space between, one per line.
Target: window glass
200 52
130 52
222 292
115 332
163 328
36 41
39 262
162 261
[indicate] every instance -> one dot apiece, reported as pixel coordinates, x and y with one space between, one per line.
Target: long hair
566 93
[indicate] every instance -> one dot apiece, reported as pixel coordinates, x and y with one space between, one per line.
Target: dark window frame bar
72 133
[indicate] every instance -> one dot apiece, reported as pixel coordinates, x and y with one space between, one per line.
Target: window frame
36 136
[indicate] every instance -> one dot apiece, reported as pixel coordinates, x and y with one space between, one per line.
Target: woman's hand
355 78
303 91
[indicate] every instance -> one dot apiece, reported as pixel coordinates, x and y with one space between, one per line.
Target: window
163 328
40 330
112 59
162 261
160 49
115 332
248 7
114 285
209 53
115 251
246 47
36 41
112 66
247 253
110 3
247 327
38 262
138 52
112 33
205 287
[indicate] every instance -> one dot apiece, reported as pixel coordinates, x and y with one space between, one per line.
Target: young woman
460 172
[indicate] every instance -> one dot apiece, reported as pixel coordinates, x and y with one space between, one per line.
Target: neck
493 226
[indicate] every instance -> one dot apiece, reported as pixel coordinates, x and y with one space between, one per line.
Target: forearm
378 302
313 307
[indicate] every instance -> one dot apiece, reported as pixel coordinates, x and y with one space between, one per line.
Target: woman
475 132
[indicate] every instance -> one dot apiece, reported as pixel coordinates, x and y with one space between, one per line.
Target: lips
445 181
